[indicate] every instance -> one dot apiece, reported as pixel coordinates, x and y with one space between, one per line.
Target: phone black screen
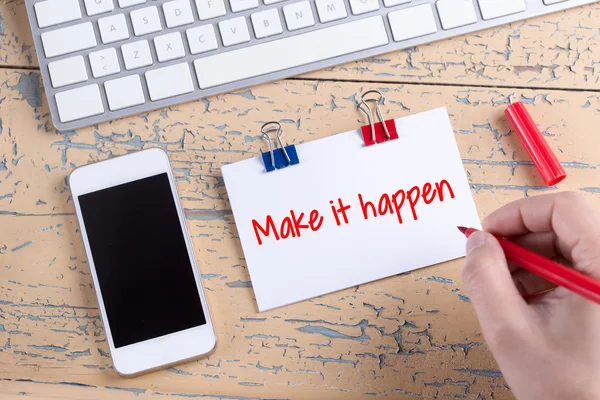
145 274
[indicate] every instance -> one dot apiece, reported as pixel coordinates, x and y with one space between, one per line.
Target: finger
542 243
539 297
574 221
512 267
529 284
498 303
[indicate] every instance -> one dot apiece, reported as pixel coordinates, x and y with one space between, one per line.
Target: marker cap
540 152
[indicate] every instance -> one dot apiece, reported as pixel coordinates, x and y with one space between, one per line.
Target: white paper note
420 174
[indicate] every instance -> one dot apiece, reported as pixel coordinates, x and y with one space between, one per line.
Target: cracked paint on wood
204 135
412 336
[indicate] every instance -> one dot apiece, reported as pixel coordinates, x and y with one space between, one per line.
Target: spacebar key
291 52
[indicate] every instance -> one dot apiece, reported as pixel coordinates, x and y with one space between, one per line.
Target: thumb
499 306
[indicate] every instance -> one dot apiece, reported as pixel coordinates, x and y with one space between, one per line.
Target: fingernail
477 239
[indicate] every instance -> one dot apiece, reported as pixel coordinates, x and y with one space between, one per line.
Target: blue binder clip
279 158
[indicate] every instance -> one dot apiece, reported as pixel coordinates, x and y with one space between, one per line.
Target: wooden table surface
413 336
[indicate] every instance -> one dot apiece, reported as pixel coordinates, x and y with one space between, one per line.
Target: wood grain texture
412 336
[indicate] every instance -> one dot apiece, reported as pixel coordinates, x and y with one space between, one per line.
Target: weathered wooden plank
16 41
202 136
560 51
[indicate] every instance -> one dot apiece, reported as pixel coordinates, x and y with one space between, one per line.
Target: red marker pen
551 271
540 152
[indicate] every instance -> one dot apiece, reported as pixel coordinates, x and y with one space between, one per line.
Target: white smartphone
142 262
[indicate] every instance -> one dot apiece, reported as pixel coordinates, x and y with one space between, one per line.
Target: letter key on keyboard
95 7
178 13
113 28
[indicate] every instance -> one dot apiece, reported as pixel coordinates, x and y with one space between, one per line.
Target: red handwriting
394 204
340 210
290 226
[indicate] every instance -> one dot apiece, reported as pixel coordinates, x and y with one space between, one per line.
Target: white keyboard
104 59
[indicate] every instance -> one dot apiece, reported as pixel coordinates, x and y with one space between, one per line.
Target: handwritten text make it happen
292 225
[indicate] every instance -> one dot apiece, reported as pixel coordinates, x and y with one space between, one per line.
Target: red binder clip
381 131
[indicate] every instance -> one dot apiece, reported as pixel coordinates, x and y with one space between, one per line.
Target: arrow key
104 63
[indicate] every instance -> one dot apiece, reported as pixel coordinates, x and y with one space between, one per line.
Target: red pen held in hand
547 269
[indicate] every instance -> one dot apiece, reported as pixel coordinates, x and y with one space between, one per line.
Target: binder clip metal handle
275 158
368 111
379 132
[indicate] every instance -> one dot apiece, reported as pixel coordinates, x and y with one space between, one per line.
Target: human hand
546 345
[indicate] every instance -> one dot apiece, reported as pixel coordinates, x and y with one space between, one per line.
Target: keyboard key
241 5
169 47
136 55
169 81
208 9
202 39
298 15
268 2
412 22
331 10
491 9
178 13
548 2
124 92
67 72
113 28
79 103
69 40
309 47
54 12
456 13
234 31
129 3
266 23
145 21
363 6
392 3
95 7
104 62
